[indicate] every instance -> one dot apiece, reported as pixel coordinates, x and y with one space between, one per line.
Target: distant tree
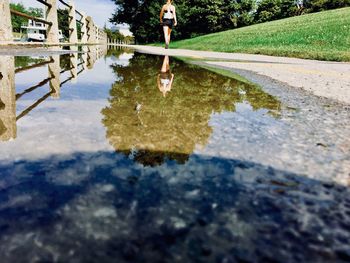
242 12
18 21
63 23
321 5
37 12
268 10
113 35
288 8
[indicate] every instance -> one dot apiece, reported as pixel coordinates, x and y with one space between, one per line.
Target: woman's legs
166 34
169 33
165 66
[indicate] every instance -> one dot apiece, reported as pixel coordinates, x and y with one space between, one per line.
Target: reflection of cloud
77 128
102 74
124 59
31 77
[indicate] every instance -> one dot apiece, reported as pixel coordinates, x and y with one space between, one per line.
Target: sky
99 10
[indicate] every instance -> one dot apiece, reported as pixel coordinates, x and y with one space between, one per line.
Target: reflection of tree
2 128
25 61
65 63
2 105
139 120
118 51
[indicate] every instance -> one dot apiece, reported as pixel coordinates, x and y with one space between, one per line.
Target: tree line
117 36
199 17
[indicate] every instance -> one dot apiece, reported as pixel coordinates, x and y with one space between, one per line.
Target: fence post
84 57
92 56
93 38
93 32
5 24
84 32
8 128
90 30
54 74
97 36
104 50
74 64
51 16
73 34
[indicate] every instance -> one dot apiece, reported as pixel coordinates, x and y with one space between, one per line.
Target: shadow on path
107 207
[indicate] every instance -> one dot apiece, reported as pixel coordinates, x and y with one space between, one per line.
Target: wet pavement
116 156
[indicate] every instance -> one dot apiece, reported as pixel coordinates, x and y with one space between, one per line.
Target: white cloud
99 10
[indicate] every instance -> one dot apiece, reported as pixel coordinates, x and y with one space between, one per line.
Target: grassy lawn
322 36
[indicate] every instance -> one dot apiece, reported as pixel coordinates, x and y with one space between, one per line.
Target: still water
116 156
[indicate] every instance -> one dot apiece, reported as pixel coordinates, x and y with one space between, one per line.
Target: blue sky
99 10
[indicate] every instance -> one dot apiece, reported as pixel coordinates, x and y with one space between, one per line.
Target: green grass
321 36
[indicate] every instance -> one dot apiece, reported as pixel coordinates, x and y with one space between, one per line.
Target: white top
165 81
168 14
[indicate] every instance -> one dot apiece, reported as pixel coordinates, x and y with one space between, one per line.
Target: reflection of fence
90 33
9 97
114 42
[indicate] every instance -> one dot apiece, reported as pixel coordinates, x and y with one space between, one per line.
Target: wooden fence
90 33
49 85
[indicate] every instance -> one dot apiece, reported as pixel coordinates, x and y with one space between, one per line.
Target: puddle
115 156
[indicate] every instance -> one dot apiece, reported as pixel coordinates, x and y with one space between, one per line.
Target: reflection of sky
64 126
91 84
58 127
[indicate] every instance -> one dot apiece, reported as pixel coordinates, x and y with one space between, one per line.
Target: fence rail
17 13
28 90
64 3
44 3
37 65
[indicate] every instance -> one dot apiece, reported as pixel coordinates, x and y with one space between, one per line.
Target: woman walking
168 20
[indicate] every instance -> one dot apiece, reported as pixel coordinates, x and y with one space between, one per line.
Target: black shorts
165 75
168 22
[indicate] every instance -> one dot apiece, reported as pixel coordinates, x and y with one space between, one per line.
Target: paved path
322 78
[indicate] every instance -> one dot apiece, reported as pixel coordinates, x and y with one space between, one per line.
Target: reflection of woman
168 20
165 78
